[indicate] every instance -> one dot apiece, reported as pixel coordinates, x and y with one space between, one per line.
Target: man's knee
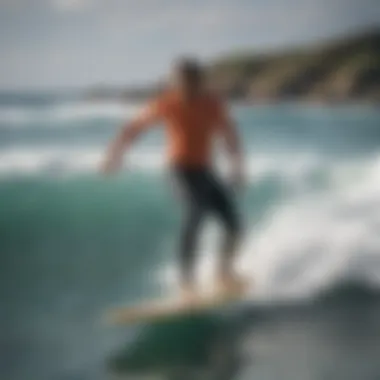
231 222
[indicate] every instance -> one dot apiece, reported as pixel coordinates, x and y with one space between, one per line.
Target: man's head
188 77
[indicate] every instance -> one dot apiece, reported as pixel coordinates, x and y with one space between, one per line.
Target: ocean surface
74 244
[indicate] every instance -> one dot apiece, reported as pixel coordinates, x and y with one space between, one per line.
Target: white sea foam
63 114
22 160
316 236
52 161
310 242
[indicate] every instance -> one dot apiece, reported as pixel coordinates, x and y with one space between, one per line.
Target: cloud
11 4
71 5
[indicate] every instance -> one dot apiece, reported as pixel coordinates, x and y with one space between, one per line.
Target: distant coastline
336 72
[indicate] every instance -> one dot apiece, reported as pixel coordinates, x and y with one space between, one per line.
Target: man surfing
193 119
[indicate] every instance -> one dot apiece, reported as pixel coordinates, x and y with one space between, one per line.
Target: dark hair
189 68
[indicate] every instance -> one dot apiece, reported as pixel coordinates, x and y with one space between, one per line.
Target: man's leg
223 206
188 245
191 185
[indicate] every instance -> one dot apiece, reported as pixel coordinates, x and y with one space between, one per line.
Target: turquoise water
74 244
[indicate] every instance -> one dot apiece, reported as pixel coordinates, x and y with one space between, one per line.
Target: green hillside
340 71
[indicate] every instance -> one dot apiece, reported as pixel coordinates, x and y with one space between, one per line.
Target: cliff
340 71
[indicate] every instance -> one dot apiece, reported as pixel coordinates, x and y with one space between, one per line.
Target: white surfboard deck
157 310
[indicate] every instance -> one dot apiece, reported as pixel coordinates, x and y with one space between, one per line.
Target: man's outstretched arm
127 136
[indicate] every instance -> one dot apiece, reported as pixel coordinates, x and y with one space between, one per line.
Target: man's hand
110 166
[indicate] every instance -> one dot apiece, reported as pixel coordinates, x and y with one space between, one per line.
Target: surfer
194 117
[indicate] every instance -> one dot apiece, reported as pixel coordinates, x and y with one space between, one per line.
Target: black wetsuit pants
203 194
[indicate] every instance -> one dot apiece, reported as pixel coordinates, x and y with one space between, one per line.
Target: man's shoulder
214 97
167 98
161 101
215 101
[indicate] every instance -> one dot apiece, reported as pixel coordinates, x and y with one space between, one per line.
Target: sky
76 43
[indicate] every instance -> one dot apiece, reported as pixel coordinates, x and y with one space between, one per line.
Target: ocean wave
325 230
301 171
311 241
55 161
71 160
63 114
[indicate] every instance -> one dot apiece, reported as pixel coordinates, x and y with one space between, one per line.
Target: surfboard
152 311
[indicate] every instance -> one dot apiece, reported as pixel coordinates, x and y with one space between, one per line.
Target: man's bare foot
188 292
231 284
